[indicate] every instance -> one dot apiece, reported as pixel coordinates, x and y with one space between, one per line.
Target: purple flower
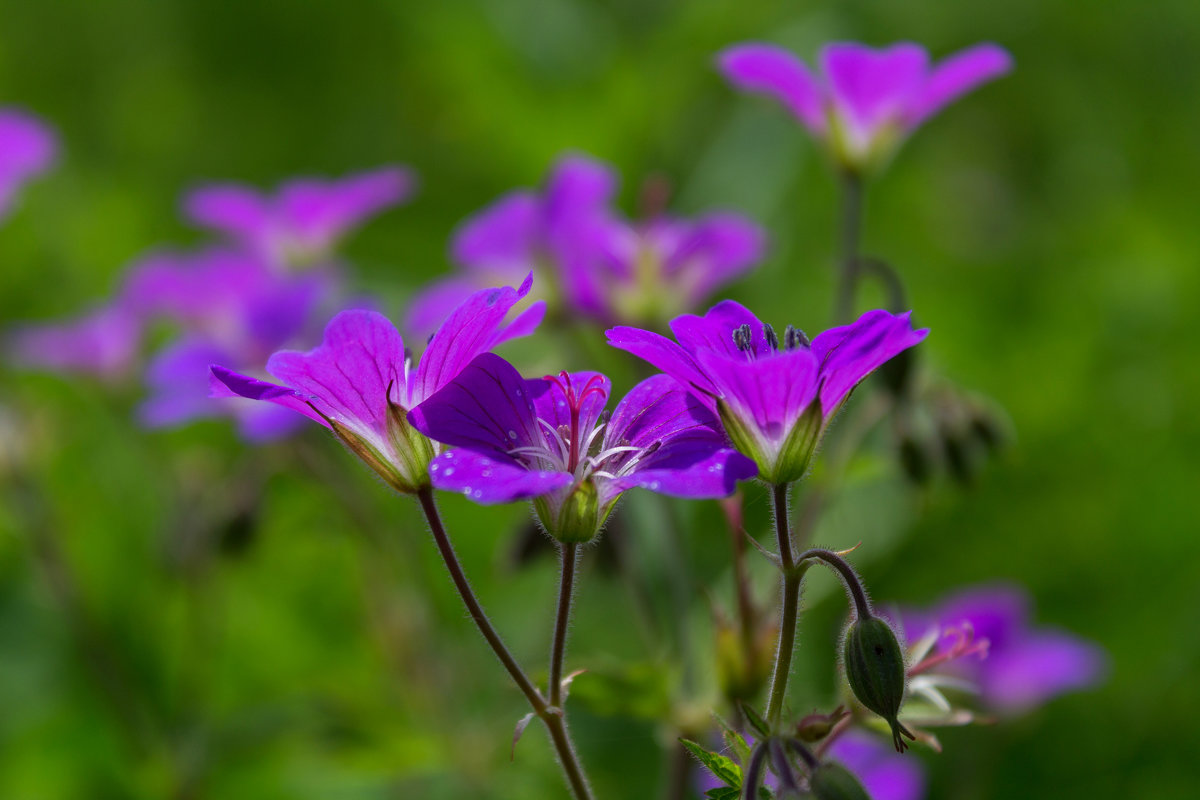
103 343
865 101
775 402
305 217
885 774
984 636
27 147
590 259
547 439
360 384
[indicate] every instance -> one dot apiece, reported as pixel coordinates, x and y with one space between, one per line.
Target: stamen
769 335
793 337
741 337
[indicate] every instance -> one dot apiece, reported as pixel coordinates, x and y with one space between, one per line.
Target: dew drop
512 435
448 471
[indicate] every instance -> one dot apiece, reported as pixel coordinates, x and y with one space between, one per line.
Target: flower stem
853 583
570 559
851 226
550 716
790 609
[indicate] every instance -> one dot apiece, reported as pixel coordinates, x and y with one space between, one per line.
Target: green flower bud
833 782
876 671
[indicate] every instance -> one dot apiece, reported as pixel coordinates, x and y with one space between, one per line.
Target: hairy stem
558 650
849 578
550 716
789 612
848 267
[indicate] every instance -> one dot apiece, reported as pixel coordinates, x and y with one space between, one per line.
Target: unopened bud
876 672
832 781
914 461
897 373
816 727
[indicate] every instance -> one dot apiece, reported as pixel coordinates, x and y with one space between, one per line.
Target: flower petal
434 303
229 208
227 383
662 353
714 331
775 71
348 377
852 352
316 212
954 77
873 87
769 392
502 239
103 342
486 407
488 480
1039 667
885 774
470 329
178 377
713 251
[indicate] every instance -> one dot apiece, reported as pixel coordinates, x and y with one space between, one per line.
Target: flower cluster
590 260
268 286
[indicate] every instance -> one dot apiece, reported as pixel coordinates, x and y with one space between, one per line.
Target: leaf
756 721
733 740
725 768
522 724
723 793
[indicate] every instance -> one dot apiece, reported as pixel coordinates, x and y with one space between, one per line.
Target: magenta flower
865 101
360 383
27 148
590 260
547 439
983 635
304 219
774 401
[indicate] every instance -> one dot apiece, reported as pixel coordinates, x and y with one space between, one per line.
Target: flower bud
831 781
876 671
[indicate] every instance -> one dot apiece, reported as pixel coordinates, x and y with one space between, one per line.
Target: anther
769 335
741 337
793 337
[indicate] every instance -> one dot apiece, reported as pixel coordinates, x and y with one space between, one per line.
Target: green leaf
723 793
733 740
725 768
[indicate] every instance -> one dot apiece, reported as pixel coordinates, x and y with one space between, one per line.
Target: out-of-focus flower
885 774
103 343
983 636
589 259
864 101
304 219
359 381
774 401
28 147
546 439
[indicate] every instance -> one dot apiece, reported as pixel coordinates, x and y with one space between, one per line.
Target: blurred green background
1046 226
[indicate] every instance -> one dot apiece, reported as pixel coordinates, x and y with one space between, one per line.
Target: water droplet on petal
448 471
512 435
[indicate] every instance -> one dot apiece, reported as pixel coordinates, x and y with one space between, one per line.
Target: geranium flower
304 219
360 382
547 439
28 147
774 398
589 259
885 774
102 343
864 101
984 636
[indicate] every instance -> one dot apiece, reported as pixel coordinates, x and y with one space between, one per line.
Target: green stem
570 559
790 610
851 227
550 716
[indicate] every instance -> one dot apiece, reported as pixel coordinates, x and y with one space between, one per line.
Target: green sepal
576 519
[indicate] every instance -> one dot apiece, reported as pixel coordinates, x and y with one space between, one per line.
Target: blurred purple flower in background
28 147
774 401
1018 667
588 258
885 774
548 439
103 343
864 101
360 383
304 219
